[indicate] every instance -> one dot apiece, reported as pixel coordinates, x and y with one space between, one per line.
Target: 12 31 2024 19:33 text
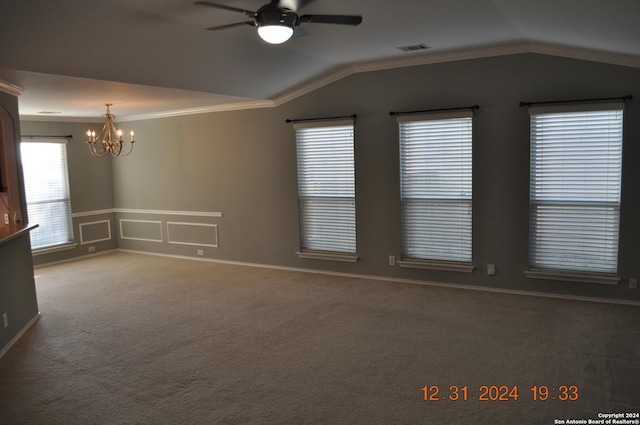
500 393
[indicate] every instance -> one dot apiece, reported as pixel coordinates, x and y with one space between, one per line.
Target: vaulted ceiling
154 57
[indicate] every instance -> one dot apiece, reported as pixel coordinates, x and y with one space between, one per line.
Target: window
576 166
326 187
435 186
47 191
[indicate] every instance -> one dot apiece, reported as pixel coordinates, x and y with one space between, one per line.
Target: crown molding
386 64
591 55
430 58
454 56
11 89
50 118
315 84
502 50
235 106
251 104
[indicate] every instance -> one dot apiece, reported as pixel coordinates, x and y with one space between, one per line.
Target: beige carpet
136 339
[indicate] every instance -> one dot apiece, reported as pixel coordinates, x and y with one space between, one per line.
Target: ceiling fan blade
237 24
225 7
299 32
304 3
332 19
294 5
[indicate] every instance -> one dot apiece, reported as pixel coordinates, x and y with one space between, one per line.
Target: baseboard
19 335
399 280
80 257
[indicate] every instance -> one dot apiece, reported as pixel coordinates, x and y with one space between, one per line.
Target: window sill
437 265
572 277
52 249
345 258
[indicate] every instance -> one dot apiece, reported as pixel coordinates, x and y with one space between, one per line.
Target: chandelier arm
130 150
116 148
96 152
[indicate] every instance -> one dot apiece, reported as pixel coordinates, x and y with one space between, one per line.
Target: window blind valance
41 138
433 116
322 121
577 107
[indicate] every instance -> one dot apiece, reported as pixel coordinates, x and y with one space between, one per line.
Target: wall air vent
414 47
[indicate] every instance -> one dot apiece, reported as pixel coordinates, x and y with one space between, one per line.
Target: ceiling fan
277 19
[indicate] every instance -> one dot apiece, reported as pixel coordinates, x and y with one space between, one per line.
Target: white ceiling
154 58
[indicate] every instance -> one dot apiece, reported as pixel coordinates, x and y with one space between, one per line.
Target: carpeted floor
135 339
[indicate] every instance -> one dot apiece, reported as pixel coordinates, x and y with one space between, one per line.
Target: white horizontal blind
47 192
326 187
436 187
576 166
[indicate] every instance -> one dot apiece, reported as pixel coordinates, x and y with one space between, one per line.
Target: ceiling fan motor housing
270 15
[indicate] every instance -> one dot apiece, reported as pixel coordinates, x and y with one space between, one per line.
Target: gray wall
17 287
243 164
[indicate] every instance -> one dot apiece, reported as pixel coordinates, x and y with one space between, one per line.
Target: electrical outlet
491 269
633 283
392 260
6 218
5 319
92 249
200 252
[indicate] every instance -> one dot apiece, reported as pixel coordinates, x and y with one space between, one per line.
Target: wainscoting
95 231
192 234
181 233
141 230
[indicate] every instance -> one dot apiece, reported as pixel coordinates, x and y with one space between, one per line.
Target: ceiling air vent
414 48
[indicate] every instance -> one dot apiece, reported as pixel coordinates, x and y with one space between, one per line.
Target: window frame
462 260
68 240
540 197
314 194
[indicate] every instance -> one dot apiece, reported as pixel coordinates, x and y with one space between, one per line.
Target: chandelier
110 139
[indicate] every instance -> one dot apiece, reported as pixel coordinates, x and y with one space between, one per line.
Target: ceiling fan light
275 34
